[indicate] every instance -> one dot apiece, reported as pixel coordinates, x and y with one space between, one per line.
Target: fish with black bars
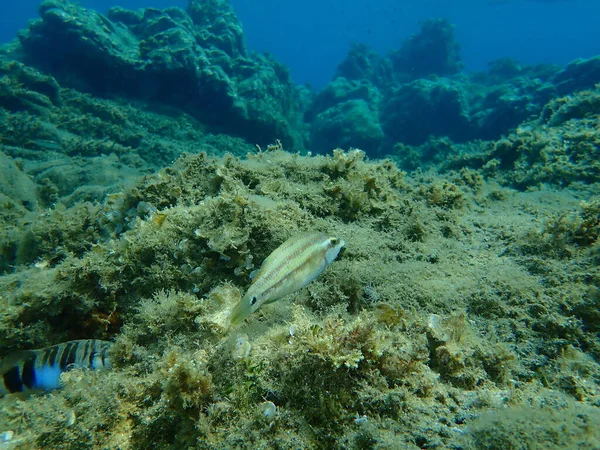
38 370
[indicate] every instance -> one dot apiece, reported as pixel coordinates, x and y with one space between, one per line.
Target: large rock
362 64
16 187
432 51
578 75
341 90
461 107
346 114
346 125
412 112
24 89
195 60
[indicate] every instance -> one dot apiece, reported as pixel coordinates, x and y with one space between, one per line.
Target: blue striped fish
40 370
290 267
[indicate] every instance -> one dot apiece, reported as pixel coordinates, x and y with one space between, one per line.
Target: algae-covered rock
556 148
342 90
362 63
224 30
76 147
25 89
561 152
504 107
426 96
194 60
405 339
578 75
347 124
412 112
432 51
16 187
97 43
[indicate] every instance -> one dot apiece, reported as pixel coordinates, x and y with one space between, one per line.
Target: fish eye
253 300
333 241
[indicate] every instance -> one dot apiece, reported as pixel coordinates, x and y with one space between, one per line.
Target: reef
402 342
194 60
462 312
420 92
558 147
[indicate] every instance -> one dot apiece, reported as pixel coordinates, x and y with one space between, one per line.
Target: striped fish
290 267
40 370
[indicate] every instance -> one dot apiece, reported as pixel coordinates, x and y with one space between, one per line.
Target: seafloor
463 313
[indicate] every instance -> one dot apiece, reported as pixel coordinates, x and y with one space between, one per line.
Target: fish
29 371
290 267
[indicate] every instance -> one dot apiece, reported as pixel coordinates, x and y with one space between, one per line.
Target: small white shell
241 347
6 436
359 420
71 418
268 410
436 328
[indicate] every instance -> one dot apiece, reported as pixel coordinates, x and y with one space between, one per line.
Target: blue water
311 37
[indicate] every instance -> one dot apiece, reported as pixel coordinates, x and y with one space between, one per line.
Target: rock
194 60
23 88
412 112
15 185
341 90
345 114
350 124
432 51
506 105
364 64
70 40
578 75
222 28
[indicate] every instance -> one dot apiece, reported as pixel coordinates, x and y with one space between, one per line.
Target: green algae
407 336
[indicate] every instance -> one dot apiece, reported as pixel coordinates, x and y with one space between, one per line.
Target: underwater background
153 155
311 37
